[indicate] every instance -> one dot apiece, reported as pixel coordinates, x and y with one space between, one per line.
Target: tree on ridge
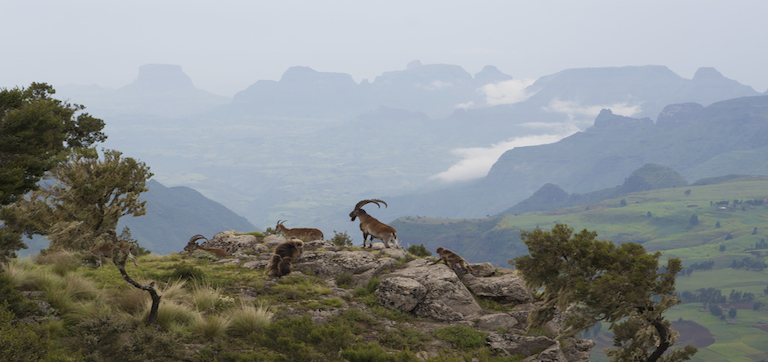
593 280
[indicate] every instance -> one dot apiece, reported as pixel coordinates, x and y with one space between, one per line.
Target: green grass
725 280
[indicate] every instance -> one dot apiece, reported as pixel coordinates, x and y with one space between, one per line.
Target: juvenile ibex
105 249
452 259
192 246
372 227
305 234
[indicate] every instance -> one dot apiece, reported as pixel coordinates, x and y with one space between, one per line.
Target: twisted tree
593 281
87 200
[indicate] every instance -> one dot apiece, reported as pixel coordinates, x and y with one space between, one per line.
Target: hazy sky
225 45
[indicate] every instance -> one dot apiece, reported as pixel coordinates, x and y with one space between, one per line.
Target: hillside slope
728 137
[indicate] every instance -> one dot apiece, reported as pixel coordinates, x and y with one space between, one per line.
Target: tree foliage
90 195
595 280
36 132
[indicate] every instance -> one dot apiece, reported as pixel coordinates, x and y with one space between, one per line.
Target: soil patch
693 333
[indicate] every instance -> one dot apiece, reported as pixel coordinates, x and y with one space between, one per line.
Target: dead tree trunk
119 256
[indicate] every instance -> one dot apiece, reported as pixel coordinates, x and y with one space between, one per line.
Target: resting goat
372 227
192 246
105 249
305 234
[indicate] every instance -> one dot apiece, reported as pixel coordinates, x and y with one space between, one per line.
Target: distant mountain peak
607 118
678 114
306 75
413 64
491 74
705 73
161 77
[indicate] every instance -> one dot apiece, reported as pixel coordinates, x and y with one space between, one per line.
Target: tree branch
119 257
663 338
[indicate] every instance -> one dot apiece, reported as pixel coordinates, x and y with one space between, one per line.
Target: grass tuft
63 261
18 271
247 318
210 326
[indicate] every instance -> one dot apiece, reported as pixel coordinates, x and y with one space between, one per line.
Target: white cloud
477 161
467 105
575 108
507 92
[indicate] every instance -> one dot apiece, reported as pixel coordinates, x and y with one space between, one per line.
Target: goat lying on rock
192 246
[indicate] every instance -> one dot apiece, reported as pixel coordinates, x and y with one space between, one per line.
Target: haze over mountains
306 148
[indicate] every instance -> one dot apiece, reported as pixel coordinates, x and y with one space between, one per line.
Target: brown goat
192 246
372 227
305 234
105 249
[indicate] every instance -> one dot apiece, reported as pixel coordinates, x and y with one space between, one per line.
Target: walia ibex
192 246
105 249
305 234
372 227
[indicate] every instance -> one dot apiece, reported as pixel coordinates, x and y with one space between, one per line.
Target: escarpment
492 300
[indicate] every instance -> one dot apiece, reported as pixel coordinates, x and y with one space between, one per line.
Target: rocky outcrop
504 289
433 292
445 297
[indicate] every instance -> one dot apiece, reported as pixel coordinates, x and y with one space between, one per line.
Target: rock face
504 289
430 291
444 297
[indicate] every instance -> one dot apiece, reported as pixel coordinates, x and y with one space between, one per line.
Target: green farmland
661 221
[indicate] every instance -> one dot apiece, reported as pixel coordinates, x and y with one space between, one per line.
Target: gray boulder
400 293
446 299
504 289
361 265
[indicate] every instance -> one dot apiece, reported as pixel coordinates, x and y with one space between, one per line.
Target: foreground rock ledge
435 293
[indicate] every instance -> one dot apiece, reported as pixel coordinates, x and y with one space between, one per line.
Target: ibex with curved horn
306 234
372 227
192 246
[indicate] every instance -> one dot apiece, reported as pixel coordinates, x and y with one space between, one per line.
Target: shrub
22 342
419 250
13 300
343 280
107 338
369 288
341 239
